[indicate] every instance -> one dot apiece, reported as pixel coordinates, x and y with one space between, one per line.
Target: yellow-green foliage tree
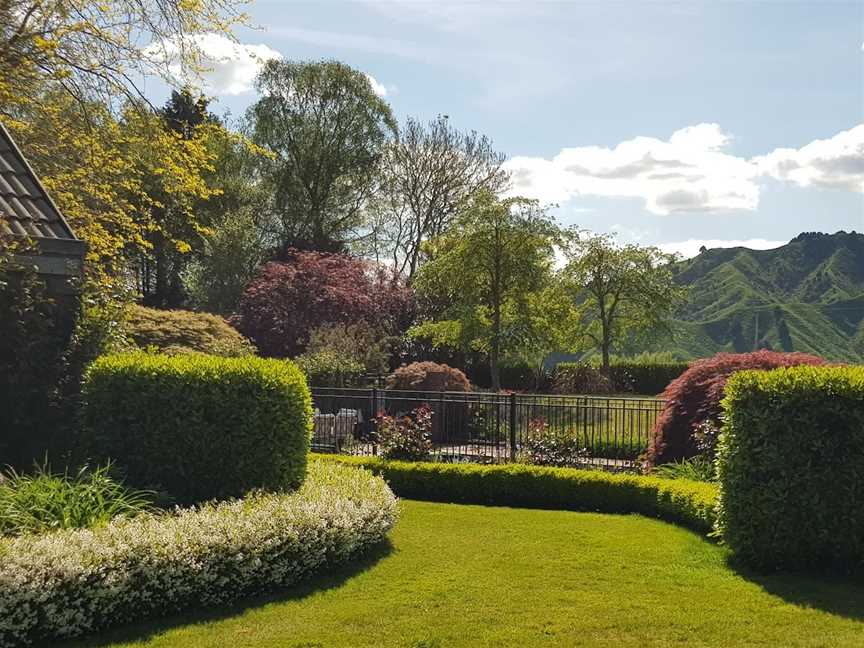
97 48
118 180
68 93
120 173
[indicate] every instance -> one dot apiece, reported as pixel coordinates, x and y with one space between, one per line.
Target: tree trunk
494 370
495 348
604 348
538 375
157 291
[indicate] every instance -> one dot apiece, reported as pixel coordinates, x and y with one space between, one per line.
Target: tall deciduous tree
547 326
326 128
94 49
185 116
620 290
236 243
427 172
231 254
483 271
112 176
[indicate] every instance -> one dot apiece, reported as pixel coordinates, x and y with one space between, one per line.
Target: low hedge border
684 502
69 583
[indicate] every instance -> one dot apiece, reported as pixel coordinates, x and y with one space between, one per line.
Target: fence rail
589 431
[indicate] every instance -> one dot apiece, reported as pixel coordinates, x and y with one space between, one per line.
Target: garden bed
70 583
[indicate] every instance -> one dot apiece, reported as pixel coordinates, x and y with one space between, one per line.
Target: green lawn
481 576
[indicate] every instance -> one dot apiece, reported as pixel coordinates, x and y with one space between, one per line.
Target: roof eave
35 178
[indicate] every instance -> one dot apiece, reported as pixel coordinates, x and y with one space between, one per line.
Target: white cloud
688 172
690 248
230 67
377 88
835 163
691 171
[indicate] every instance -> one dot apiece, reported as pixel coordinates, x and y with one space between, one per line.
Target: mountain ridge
807 295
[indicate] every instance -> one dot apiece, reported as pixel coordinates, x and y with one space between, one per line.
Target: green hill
807 295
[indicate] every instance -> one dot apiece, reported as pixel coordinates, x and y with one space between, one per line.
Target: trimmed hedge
623 377
676 500
70 583
646 378
198 427
514 375
791 467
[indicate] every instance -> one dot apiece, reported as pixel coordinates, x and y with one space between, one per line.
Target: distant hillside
807 295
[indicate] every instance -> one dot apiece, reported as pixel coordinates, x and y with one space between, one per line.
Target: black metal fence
587 431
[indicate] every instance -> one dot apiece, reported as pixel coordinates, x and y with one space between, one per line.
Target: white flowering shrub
70 583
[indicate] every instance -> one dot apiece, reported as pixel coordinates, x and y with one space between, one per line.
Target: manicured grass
459 575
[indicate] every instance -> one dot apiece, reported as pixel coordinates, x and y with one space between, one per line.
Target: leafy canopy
287 301
97 50
326 129
428 172
118 180
485 276
620 291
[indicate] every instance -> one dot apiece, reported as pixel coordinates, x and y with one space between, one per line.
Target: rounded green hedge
685 502
791 467
69 583
196 426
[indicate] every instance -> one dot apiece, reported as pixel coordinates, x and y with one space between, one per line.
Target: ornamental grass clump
43 501
70 583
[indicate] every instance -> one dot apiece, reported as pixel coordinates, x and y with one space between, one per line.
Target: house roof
26 209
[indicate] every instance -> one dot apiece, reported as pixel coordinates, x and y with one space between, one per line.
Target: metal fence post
512 427
373 427
442 422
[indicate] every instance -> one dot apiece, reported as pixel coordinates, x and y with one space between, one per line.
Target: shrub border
70 583
688 503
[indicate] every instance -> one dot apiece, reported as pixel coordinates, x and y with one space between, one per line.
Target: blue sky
670 123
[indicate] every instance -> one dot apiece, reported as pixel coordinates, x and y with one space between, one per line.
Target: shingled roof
26 209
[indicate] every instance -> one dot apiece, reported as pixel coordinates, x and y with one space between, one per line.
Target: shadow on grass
147 628
839 595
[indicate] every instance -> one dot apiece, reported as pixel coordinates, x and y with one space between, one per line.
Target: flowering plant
406 437
69 583
543 447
